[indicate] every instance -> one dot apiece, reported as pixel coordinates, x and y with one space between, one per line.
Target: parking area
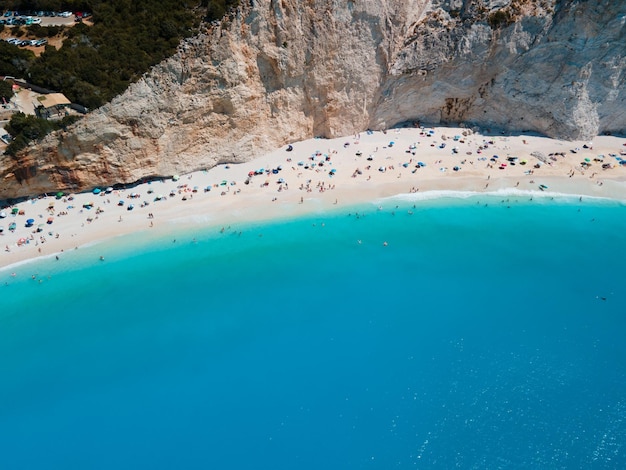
42 18
45 19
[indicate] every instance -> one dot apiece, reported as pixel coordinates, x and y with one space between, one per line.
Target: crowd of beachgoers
317 175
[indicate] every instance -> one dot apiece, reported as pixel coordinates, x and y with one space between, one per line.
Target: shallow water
480 336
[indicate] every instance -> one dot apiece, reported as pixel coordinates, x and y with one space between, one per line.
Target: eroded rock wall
284 70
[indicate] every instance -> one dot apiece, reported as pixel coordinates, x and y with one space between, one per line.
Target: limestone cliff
279 71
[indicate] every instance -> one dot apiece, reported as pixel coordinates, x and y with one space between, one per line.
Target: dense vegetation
26 128
13 60
6 91
98 61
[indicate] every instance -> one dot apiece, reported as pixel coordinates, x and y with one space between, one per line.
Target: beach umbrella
3 215
587 159
224 183
109 190
175 177
97 191
60 194
15 210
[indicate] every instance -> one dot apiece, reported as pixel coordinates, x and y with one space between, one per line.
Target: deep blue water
480 337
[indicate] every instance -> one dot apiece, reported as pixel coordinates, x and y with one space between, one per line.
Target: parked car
65 14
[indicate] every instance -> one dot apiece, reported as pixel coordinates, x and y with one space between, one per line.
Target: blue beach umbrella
97 191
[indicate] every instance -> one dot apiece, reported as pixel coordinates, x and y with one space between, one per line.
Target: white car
66 14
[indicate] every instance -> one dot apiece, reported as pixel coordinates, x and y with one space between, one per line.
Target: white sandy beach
318 174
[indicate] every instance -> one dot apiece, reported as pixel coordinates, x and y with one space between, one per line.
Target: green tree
6 90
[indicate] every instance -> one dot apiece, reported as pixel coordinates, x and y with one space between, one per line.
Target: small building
52 105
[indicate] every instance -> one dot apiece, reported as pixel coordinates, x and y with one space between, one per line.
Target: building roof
54 99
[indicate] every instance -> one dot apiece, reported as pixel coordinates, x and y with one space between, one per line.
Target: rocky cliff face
285 70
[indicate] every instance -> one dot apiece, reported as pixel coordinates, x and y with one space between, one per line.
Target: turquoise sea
488 333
